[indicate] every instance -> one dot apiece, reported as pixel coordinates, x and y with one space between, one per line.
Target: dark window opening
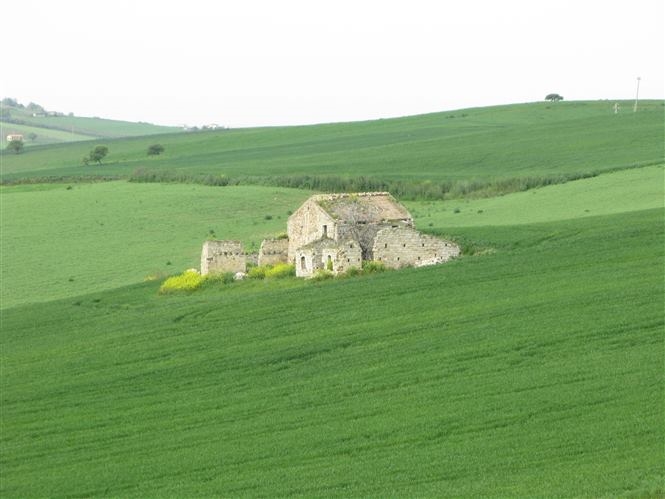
302 263
325 231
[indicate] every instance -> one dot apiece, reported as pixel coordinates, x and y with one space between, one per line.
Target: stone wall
314 257
273 251
402 246
365 234
223 256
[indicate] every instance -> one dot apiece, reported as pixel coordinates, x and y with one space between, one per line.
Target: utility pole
637 94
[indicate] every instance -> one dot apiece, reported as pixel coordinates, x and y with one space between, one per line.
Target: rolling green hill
505 142
123 233
49 129
530 366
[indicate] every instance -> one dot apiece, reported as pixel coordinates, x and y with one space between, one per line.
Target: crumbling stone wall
365 234
403 246
273 251
315 256
223 256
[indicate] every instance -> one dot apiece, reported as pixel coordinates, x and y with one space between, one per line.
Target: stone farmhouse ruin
336 232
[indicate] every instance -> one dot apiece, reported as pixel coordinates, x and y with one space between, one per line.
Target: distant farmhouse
336 232
14 137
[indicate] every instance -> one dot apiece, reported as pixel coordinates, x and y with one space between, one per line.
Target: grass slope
628 190
60 240
537 139
124 232
56 129
44 135
536 370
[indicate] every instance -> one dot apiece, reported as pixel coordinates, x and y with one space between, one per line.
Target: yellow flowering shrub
281 270
189 280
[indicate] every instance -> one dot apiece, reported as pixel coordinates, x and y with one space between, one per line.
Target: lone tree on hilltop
155 150
553 97
98 153
15 145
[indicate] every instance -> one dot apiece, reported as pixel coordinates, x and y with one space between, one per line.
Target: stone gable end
307 224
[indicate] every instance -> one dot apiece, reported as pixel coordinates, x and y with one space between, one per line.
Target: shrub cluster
373 267
143 175
278 271
322 275
220 277
189 280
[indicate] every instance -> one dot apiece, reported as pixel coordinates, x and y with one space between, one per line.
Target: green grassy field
124 232
52 129
60 240
618 192
534 371
500 142
531 366
44 135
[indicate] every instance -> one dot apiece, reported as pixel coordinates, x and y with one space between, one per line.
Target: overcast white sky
261 62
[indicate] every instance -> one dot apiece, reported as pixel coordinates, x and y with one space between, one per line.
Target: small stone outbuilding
327 254
223 256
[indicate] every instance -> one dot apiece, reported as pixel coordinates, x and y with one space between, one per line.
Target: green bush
280 271
257 272
373 266
189 280
353 272
155 150
220 278
322 275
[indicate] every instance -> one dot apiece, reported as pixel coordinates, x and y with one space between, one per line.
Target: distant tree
155 150
15 145
553 97
5 114
85 160
32 136
8 101
99 153
35 108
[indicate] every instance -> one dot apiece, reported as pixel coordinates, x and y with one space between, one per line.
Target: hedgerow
403 189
